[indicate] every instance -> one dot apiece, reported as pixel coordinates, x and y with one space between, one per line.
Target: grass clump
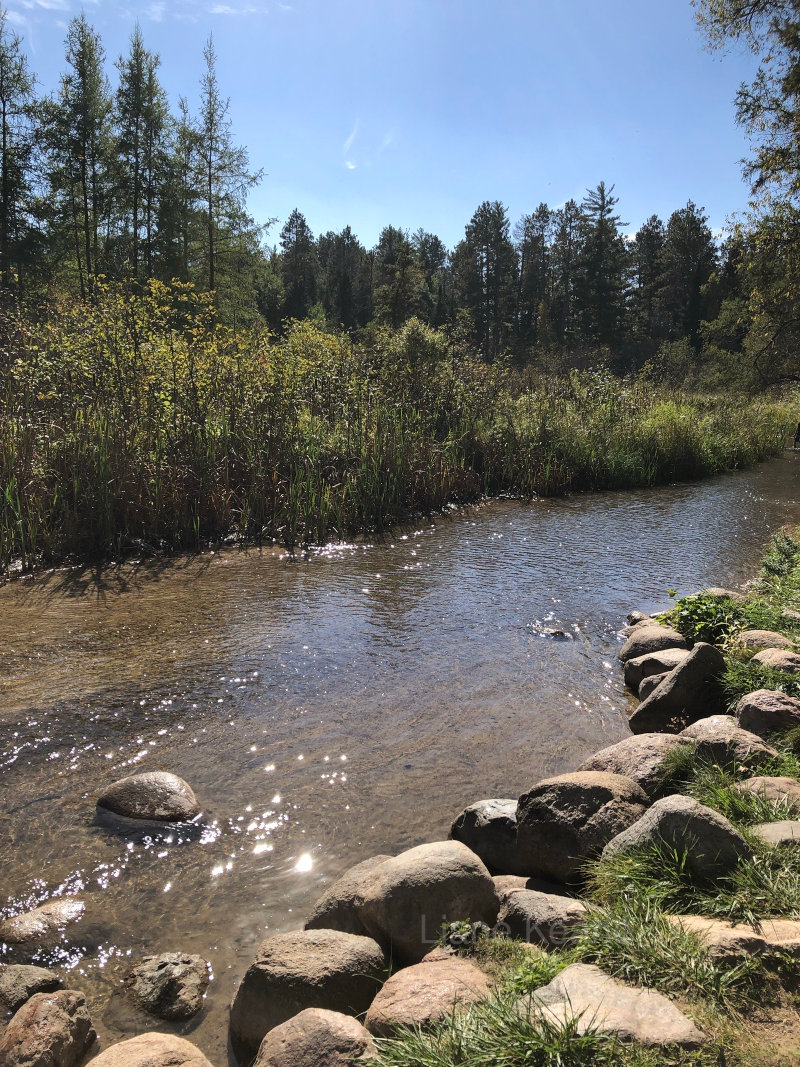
743 675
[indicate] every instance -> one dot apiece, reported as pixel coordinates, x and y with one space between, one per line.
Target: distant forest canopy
102 180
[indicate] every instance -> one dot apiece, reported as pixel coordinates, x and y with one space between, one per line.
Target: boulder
336 908
778 660
40 931
687 693
307 969
728 941
723 594
19 982
647 685
489 828
636 618
405 900
508 883
317 1038
641 667
606 1005
49 1030
169 986
155 795
719 740
779 834
768 711
763 639
640 758
648 638
564 821
423 994
543 919
713 847
152 1050
783 791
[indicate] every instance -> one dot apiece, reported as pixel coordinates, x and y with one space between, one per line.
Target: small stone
540 918
49 1030
20 982
778 660
155 795
508 883
713 847
606 1005
636 618
152 1050
336 909
423 994
169 986
719 740
768 711
317 1038
645 639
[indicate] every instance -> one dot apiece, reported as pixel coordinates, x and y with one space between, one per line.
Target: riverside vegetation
140 421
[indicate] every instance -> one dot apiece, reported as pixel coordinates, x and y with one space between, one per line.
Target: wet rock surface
157 796
169 986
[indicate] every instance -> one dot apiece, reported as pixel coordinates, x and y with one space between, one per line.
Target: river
325 709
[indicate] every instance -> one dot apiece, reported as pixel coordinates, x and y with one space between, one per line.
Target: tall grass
140 420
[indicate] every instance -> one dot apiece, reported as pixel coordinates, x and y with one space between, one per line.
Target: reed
142 420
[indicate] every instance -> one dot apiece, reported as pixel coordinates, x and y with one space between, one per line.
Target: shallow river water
324 709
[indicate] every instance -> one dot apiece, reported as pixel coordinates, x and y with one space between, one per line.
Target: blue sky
412 112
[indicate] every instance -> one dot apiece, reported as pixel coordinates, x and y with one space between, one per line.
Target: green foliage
706 617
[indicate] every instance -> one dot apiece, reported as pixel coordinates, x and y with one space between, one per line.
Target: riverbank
130 428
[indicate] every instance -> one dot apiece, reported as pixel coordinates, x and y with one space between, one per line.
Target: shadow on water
324 709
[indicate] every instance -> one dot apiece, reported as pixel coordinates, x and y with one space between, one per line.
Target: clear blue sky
412 112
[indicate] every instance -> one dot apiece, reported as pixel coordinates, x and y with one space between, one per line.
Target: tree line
108 181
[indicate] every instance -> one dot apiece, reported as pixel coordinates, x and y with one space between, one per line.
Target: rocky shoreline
389 945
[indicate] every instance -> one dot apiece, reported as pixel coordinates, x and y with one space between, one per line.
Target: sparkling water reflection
323 709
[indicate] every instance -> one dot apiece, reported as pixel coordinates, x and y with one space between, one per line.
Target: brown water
324 709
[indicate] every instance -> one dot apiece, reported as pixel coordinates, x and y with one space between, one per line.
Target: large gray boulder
425 993
641 667
489 828
544 919
308 969
713 847
719 740
317 1038
152 1050
688 693
606 1005
20 982
49 1030
405 900
155 795
763 639
778 660
641 758
336 909
768 711
646 639
564 821
169 986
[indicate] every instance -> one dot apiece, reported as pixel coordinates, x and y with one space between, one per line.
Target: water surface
324 709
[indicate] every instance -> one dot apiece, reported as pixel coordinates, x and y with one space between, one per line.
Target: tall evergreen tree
565 254
648 319
533 236
299 268
602 268
397 278
690 258
485 262
17 103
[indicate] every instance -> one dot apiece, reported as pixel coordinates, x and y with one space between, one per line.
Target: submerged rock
564 821
424 994
689 692
489 829
713 847
317 1038
41 931
169 986
49 1030
155 795
604 1004
405 900
308 969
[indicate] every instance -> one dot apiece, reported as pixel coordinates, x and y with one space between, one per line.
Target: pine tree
601 279
485 262
17 105
299 268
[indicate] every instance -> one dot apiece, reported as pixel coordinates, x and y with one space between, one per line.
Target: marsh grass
140 421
